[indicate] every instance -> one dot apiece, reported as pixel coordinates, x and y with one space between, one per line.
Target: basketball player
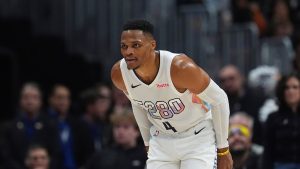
182 114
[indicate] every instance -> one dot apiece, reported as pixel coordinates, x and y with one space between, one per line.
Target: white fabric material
142 120
216 96
143 123
185 150
169 110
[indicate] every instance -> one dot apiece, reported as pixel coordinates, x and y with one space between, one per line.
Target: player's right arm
139 113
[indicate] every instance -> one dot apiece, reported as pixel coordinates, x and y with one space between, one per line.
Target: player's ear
153 44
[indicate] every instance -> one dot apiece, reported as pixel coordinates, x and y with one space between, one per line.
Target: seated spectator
93 122
282 136
280 20
58 112
105 92
245 155
266 78
37 157
245 11
126 153
28 128
241 97
122 103
59 102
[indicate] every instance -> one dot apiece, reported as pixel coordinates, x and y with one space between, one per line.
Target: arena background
78 40
75 42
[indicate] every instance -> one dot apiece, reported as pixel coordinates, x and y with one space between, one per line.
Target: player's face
136 47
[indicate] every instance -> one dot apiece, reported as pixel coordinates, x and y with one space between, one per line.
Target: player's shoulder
116 66
116 76
183 62
116 70
186 74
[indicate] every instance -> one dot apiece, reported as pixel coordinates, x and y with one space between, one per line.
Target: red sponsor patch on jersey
163 85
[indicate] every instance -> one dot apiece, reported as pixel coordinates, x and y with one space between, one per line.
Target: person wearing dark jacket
94 123
245 154
126 153
59 115
282 128
30 127
241 97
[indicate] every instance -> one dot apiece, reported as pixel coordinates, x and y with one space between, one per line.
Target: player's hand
225 161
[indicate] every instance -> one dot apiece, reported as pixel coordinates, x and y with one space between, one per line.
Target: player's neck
149 70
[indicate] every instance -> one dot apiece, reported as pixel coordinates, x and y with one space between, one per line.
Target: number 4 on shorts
168 126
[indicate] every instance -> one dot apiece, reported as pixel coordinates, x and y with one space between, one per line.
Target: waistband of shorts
189 132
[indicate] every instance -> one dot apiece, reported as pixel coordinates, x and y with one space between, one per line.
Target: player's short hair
142 25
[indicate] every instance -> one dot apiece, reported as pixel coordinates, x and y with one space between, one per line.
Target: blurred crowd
98 130
273 18
103 134
92 127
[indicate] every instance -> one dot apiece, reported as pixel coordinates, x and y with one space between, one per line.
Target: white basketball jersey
167 109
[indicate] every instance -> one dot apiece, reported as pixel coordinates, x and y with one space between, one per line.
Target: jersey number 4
168 126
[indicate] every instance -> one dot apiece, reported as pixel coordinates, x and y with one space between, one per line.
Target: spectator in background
58 112
245 155
28 128
280 20
121 101
105 92
258 17
295 13
37 157
94 122
241 97
59 101
266 78
245 11
126 153
282 136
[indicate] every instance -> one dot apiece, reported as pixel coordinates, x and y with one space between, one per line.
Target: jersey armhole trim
123 72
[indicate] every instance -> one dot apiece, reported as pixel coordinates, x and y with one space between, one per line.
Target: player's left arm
187 75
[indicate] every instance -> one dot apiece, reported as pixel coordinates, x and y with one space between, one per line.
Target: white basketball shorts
191 149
